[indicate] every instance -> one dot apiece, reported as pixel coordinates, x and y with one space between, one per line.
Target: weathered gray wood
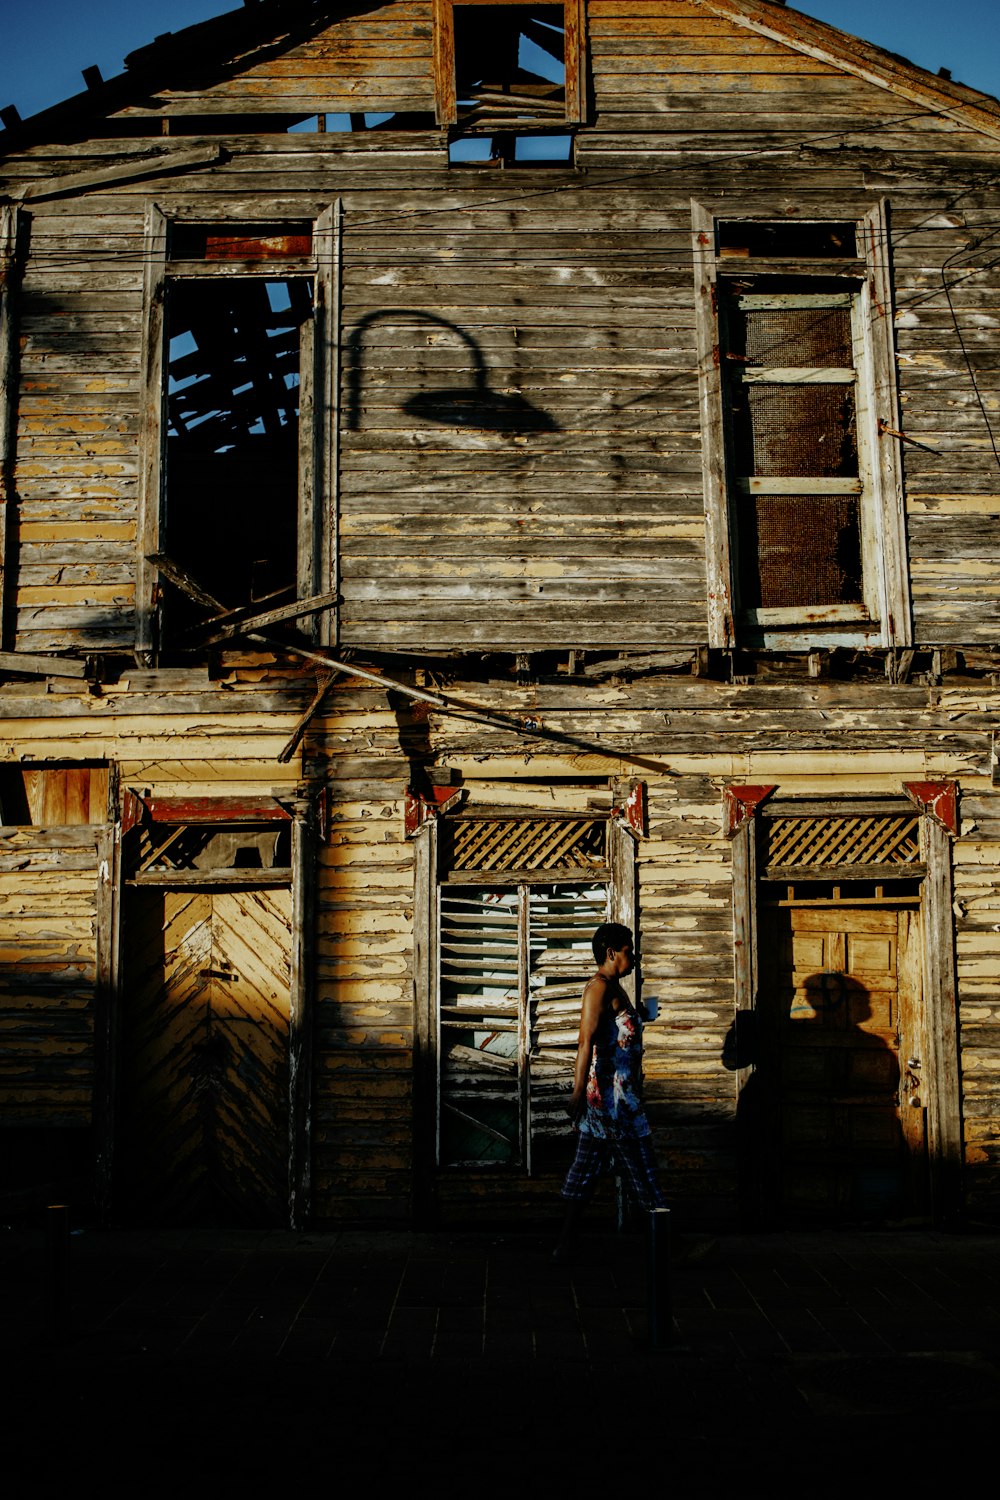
325 523
425 1003
940 1067
300 1040
9 274
744 895
885 418
625 895
236 879
42 666
151 435
164 163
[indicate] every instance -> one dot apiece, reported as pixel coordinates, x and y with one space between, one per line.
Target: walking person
606 1103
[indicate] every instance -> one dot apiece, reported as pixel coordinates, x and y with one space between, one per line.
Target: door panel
830 1122
204 1121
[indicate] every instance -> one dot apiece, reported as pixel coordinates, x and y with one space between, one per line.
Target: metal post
58 1279
658 1300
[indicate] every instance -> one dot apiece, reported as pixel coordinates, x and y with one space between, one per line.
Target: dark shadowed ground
202 1362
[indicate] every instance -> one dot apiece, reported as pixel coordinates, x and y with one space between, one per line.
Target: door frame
940 1075
132 808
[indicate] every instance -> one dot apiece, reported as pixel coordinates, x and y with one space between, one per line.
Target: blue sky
45 43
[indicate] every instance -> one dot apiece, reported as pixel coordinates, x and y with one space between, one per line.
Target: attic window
508 66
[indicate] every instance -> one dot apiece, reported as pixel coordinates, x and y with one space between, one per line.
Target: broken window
802 474
232 449
229 529
506 73
513 961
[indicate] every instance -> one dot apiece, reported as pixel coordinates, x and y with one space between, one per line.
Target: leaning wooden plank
323 682
42 666
164 162
293 611
230 880
182 580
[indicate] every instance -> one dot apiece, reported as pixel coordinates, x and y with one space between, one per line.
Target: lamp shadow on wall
474 405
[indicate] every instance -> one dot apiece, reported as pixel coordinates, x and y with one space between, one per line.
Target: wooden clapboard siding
977 918
575 290
449 537
48 974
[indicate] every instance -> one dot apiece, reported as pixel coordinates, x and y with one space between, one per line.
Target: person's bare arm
593 1004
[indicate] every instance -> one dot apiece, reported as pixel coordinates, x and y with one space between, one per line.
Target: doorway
203 1136
833 1116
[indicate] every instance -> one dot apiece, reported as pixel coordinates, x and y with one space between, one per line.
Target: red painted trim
419 807
938 799
633 810
739 804
215 810
131 810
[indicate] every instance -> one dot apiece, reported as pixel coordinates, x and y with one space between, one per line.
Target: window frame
318 500
445 90
619 875
12 224
885 618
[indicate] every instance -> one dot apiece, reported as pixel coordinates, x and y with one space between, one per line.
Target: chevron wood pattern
204 1135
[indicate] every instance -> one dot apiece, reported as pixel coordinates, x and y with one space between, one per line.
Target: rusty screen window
240 241
791 389
789 430
799 547
791 336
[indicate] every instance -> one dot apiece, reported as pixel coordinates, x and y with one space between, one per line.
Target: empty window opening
232 448
791 241
247 242
510 64
507 149
343 123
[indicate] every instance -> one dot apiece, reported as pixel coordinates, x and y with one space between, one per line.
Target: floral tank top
614 1109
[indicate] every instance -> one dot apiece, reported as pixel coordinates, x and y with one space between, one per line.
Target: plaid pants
635 1160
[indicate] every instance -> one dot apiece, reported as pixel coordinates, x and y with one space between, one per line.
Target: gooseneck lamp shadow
472 405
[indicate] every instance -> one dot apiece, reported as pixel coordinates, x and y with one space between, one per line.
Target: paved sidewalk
195 1350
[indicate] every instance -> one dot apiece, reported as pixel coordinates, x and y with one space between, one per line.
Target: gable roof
233 42
968 107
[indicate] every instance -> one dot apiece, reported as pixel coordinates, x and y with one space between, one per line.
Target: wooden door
834 1106
203 1137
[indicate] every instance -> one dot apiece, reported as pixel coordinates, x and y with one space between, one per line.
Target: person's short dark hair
610 935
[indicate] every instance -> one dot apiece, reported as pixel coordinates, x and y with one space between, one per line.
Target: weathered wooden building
468 468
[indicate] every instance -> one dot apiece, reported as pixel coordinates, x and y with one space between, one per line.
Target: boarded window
513 962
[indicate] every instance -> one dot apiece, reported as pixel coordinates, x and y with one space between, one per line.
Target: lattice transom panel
526 844
892 839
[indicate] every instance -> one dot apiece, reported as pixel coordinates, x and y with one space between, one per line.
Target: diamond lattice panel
889 840
532 844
